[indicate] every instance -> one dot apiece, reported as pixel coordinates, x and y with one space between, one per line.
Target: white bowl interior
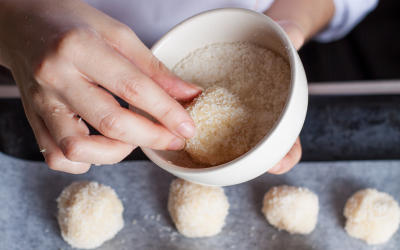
218 26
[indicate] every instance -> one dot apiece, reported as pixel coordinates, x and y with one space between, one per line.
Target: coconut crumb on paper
293 209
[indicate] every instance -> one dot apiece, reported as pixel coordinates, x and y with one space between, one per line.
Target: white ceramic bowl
232 25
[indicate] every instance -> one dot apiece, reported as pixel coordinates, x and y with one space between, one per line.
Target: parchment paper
28 191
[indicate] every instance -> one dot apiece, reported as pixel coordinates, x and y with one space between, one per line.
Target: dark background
336 127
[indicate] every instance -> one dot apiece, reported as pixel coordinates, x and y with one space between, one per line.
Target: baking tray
28 191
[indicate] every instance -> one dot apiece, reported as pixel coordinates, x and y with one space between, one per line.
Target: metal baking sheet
28 191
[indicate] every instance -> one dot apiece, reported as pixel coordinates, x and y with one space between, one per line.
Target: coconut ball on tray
372 216
293 209
223 127
197 210
89 214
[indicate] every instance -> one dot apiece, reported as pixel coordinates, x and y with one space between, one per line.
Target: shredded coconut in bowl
259 78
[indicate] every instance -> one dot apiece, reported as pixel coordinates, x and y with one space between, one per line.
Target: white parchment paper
28 191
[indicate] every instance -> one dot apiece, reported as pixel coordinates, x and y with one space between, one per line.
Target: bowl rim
289 49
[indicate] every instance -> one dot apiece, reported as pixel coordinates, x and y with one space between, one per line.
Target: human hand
289 160
301 20
60 53
295 34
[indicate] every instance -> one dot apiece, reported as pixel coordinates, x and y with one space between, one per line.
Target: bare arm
311 15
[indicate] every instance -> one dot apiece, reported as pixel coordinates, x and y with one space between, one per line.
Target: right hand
60 52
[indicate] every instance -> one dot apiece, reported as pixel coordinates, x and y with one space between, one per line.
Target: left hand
296 35
289 160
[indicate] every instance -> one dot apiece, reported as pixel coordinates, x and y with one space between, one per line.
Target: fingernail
275 169
176 144
194 86
186 129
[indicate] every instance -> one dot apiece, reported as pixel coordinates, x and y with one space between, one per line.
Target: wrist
294 31
310 15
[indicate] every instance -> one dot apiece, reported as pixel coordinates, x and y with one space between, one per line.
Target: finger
53 155
99 108
124 40
294 32
289 160
72 137
121 77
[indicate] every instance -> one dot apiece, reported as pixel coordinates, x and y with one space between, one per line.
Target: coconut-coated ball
293 209
197 210
372 216
89 214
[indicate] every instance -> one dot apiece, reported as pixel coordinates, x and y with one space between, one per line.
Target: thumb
294 32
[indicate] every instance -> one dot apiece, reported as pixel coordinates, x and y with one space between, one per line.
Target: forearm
4 9
15 23
23 21
311 15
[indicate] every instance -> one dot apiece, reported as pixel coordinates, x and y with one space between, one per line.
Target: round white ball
372 216
89 214
223 127
197 210
293 209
